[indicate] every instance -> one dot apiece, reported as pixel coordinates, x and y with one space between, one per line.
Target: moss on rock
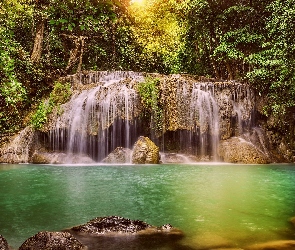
145 152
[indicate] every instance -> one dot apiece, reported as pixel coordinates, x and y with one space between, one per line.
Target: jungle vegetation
246 40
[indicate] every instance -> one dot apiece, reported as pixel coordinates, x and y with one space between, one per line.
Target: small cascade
242 101
204 110
198 119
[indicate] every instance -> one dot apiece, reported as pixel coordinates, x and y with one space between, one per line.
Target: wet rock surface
52 241
119 155
112 224
3 243
178 158
145 152
119 225
59 158
238 150
116 232
18 149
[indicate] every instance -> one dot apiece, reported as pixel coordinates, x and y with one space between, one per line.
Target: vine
60 95
149 93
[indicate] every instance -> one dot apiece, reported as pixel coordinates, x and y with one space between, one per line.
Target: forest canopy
245 40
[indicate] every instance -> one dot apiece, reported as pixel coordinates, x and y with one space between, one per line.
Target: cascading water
99 119
197 118
105 113
205 108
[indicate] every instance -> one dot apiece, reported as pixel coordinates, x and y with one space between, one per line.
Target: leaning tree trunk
37 49
76 52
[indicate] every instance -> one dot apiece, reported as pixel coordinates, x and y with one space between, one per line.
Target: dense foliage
246 40
60 94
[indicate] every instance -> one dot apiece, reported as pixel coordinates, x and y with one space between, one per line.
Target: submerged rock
209 241
52 241
3 243
145 152
292 220
274 245
119 155
238 150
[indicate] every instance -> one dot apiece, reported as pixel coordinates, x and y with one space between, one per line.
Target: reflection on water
214 205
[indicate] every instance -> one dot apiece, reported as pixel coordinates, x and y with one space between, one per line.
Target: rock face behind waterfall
145 152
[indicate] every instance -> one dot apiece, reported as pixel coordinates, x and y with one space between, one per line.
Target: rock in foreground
145 152
52 241
120 225
3 243
120 233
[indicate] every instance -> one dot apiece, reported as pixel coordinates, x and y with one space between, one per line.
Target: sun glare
139 2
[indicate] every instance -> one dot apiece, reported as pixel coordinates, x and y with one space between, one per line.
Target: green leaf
63 20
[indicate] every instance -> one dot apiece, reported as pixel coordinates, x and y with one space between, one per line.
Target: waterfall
99 119
105 112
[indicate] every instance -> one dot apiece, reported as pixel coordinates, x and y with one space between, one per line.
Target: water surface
214 205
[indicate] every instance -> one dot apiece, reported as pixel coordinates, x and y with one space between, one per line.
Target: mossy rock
238 150
145 152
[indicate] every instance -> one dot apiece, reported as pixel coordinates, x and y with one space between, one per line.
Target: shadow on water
133 242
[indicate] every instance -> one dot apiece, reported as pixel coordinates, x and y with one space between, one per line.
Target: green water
230 205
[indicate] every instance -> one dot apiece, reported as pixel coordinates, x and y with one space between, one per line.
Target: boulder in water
116 232
116 225
145 152
3 243
238 150
119 155
52 241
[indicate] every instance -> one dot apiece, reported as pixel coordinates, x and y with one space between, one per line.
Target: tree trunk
76 52
82 40
37 49
229 71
